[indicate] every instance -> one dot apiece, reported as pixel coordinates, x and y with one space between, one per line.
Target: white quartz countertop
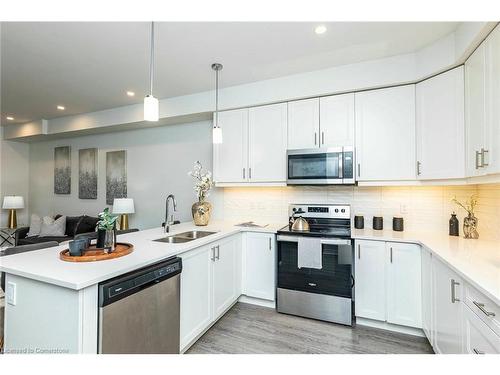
477 261
45 265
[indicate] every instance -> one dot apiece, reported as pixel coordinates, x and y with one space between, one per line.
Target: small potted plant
106 230
470 221
202 209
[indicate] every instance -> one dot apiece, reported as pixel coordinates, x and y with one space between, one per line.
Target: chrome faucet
169 221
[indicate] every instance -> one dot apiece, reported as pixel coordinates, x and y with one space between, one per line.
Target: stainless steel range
315 266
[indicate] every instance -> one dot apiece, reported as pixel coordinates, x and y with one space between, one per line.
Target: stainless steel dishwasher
139 312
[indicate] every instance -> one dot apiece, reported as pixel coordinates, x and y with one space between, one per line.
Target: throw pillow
87 224
72 223
35 226
53 228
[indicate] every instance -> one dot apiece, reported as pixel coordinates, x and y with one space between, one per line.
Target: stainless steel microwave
321 166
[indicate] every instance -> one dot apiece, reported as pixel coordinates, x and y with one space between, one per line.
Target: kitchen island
55 306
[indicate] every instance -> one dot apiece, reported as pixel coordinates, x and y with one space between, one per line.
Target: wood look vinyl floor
250 329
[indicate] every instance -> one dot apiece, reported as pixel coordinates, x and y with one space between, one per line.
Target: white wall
158 160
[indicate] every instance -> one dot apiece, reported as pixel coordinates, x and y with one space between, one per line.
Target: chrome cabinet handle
481 307
359 251
418 168
391 254
322 138
483 152
270 245
243 173
315 138
477 351
359 170
250 173
453 291
212 258
478 157
218 252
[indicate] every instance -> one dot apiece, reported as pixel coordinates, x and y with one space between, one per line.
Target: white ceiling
89 66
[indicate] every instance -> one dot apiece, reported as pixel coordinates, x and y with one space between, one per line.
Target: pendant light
217 131
151 104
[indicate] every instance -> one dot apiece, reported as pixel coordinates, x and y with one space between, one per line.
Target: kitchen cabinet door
303 124
492 89
267 143
225 275
440 126
385 134
231 156
259 265
478 337
447 309
196 294
475 112
404 298
426 287
336 119
370 290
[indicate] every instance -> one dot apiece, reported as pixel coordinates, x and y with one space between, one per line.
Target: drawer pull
453 291
480 306
477 351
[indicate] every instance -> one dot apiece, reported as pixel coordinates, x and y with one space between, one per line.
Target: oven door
334 279
315 166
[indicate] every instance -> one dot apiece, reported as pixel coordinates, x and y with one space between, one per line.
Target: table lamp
12 203
123 207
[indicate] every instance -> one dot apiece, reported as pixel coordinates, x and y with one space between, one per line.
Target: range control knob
342 210
336 210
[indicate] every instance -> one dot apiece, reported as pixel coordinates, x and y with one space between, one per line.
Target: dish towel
309 253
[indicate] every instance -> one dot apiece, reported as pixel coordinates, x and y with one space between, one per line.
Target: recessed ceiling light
61 107
321 29
130 93
10 118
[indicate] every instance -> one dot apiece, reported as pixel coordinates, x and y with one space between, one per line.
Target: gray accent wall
158 161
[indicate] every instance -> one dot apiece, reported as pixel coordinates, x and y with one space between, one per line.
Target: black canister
454 225
378 222
359 222
398 224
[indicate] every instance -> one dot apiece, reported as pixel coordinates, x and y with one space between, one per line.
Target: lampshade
151 108
123 206
13 202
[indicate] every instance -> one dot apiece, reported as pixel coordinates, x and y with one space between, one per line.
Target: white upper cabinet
385 134
404 298
492 87
303 124
231 156
440 126
336 118
267 143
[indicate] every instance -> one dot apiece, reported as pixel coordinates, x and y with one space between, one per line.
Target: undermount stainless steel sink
185 236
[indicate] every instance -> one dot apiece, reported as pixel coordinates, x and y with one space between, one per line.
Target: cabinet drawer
485 308
479 338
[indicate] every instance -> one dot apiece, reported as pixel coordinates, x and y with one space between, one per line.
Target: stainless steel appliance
321 166
139 313
324 293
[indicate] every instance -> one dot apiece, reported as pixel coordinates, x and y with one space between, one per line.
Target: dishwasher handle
122 286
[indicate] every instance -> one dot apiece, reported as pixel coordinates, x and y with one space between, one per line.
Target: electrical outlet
10 293
403 209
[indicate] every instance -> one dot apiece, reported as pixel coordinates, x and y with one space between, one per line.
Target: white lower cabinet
478 337
369 268
426 266
387 282
404 299
446 309
210 284
259 265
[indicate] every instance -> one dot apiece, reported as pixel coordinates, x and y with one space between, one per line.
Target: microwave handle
341 165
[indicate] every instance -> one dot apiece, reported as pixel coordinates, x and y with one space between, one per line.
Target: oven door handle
324 241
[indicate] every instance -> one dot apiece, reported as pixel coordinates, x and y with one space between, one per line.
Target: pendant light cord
217 98
151 60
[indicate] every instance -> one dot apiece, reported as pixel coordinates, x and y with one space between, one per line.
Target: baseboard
257 301
390 327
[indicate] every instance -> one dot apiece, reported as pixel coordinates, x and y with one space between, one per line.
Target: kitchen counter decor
106 227
470 221
94 254
202 209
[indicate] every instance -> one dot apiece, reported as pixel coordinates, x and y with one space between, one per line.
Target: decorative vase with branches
202 209
107 224
470 221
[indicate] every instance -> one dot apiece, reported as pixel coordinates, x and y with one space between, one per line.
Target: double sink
185 236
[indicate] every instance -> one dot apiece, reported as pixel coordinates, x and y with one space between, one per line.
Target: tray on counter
94 254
